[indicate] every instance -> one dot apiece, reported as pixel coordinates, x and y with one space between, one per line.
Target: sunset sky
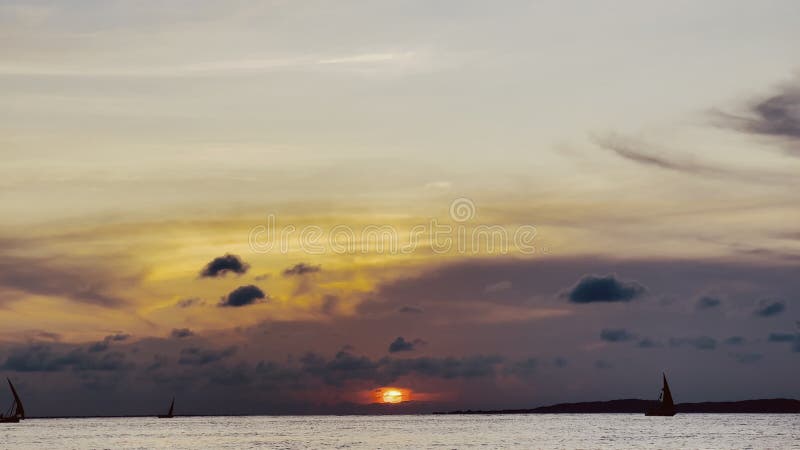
154 154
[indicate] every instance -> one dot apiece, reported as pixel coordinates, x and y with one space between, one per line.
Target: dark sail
19 410
666 402
666 406
16 411
168 415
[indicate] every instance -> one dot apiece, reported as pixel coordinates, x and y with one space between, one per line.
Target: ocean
569 431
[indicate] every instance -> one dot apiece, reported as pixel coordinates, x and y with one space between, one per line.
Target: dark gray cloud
197 356
159 361
301 269
603 364
539 278
616 335
43 358
769 308
648 343
222 265
791 338
747 358
782 337
243 296
704 303
238 375
447 368
402 345
277 375
777 115
410 310
735 340
699 343
342 367
179 333
345 366
525 368
106 342
98 347
594 289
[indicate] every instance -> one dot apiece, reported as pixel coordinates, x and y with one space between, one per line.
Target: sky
291 207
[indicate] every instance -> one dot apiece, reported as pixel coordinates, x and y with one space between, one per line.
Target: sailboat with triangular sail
16 411
169 414
666 407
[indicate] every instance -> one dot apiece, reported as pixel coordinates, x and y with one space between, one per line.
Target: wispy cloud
651 155
230 67
84 280
369 58
638 151
777 115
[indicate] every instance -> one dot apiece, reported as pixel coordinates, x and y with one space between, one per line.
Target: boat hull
658 413
9 419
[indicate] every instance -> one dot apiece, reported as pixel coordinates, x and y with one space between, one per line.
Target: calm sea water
391 432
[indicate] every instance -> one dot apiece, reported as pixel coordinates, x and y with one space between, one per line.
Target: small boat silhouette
666 407
16 411
169 414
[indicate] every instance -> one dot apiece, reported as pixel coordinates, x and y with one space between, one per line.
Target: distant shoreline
638 406
623 406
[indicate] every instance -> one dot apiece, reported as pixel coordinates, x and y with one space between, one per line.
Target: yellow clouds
144 277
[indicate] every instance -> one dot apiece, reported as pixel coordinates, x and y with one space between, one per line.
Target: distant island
637 406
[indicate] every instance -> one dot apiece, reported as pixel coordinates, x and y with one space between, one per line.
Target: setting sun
392 395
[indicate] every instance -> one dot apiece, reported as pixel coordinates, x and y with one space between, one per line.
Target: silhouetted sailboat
16 411
168 415
666 407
